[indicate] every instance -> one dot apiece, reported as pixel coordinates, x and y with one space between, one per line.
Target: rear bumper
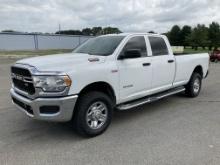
48 109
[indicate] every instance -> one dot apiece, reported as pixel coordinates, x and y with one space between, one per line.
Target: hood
62 62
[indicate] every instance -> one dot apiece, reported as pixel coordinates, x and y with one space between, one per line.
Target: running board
149 99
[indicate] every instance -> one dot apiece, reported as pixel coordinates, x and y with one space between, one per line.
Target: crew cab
119 71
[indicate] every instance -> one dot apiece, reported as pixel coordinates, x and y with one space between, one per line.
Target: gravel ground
175 130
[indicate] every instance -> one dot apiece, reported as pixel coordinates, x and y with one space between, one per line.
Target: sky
127 15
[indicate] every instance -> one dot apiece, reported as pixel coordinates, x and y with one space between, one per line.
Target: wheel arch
100 86
198 69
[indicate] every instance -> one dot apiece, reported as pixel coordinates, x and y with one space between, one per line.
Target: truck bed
186 63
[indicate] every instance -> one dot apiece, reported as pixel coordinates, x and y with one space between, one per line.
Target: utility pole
59 28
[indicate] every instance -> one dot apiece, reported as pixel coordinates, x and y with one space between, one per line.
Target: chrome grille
22 79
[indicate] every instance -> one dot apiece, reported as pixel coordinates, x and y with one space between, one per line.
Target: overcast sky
127 15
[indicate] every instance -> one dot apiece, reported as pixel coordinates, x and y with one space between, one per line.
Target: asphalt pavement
173 131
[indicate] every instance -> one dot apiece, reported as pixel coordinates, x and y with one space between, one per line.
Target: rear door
135 73
163 64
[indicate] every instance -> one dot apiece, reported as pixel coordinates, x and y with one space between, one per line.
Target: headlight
52 83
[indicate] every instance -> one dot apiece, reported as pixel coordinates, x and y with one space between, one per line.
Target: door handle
146 64
170 61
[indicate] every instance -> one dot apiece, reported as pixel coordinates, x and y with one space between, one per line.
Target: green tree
8 31
96 31
110 30
69 32
174 36
152 32
198 37
87 31
185 31
214 35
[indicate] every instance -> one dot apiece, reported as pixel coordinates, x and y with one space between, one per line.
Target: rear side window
136 43
158 46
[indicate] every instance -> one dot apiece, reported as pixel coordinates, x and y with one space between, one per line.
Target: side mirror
131 53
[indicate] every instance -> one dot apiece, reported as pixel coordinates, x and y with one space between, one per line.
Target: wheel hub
196 85
96 115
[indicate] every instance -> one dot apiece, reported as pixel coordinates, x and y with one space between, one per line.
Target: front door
135 73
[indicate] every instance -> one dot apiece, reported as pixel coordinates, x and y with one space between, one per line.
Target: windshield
103 46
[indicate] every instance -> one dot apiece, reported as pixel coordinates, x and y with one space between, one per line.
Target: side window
136 43
158 46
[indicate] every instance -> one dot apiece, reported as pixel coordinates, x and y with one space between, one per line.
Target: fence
17 41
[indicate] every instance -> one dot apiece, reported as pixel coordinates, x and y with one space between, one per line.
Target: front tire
193 88
93 114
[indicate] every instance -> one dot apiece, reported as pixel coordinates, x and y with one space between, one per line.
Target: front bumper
34 108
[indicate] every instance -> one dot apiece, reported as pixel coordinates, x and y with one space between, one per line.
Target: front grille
22 79
26 107
20 71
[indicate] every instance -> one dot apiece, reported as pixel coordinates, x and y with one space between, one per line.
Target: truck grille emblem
18 77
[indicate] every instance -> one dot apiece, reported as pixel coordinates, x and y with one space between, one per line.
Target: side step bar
149 99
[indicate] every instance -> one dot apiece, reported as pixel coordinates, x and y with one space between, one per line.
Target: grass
33 53
189 50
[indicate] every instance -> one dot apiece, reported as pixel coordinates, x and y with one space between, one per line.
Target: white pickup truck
108 72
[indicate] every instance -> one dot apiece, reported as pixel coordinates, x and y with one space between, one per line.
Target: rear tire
193 88
93 114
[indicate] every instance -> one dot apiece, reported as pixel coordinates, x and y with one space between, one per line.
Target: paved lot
175 130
